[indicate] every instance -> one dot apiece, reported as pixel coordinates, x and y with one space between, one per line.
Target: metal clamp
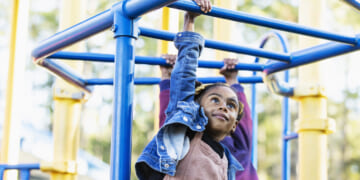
326 125
69 167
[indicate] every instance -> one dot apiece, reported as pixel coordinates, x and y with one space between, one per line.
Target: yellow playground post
313 125
222 28
68 102
5 144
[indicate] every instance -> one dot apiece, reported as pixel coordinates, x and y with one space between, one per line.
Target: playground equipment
123 17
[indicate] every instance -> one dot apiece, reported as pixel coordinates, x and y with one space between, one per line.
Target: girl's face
221 106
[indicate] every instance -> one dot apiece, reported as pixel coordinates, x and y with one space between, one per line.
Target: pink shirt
201 162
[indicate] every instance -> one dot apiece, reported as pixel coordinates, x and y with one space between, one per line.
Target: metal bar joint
123 25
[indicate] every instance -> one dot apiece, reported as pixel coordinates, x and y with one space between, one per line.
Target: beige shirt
200 163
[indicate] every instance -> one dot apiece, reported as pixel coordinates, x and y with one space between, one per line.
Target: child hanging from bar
239 143
188 145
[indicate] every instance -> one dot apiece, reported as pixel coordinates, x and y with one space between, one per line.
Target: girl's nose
222 106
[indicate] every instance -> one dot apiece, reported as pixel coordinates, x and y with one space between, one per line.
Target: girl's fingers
208 5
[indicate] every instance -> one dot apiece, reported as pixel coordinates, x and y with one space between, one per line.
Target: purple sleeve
246 122
164 99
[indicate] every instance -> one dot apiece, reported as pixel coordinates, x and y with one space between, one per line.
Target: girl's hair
200 90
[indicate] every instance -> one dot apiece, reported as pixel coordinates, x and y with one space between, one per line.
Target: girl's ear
234 126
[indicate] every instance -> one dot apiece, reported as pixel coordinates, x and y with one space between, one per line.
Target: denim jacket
171 144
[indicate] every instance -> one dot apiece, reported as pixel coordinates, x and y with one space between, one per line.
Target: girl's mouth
221 116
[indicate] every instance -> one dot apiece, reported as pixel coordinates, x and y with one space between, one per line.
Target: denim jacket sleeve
170 144
182 112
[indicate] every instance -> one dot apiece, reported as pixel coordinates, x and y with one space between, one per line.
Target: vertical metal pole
313 124
10 84
25 174
255 124
10 145
286 144
124 30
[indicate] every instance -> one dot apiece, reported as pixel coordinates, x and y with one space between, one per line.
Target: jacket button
185 119
166 165
162 147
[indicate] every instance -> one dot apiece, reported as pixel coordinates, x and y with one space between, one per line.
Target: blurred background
35 107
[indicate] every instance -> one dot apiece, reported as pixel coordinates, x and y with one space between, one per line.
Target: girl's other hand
229 71
166 70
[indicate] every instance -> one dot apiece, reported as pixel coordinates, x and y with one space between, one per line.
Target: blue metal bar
290 136
154 80
310 55
263 21
354 3
73 34
148 60
19 166
93 25
123 96
286 129
85 56
25 174
165 35
255 123
285 109
135 8
2 170
64 72
23 168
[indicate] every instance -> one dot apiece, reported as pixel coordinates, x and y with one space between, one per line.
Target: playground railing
23 168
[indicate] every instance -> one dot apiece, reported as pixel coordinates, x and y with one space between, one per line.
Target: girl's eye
215 100
231 106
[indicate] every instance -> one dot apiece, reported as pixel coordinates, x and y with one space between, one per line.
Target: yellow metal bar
313 124
165 26
68 102
222 28
5 144
10 85
163 46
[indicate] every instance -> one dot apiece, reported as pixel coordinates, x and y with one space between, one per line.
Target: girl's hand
205 5
166 70
229 71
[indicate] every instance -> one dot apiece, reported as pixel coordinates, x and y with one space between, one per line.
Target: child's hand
205 5
166 70
229 71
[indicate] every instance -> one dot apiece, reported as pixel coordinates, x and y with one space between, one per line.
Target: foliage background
343 87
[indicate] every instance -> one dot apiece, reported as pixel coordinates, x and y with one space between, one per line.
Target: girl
239 143
183 148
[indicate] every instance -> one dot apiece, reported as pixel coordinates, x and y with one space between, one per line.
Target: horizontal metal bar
149 60
66 73
311 54
19 166
136 8
290 136
165 35
72 35
354 3
153 80
264 21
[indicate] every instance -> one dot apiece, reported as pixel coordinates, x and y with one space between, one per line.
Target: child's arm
244 130
165 85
